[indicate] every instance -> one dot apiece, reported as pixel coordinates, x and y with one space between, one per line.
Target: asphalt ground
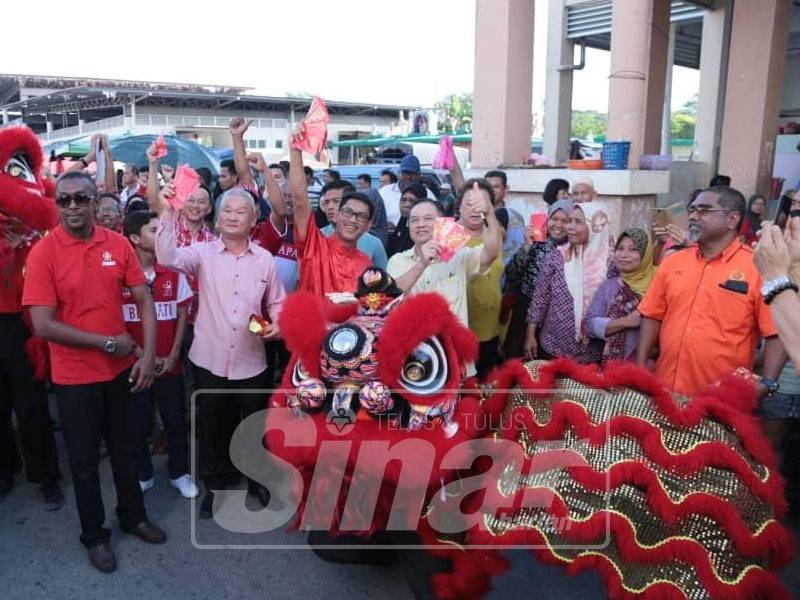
41 558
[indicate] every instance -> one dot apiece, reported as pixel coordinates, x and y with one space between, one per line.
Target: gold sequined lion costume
666 497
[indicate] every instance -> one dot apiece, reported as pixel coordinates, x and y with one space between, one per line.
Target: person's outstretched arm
238 126
297 183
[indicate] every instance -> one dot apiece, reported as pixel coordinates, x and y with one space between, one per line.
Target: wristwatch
110 346
773 287
771 385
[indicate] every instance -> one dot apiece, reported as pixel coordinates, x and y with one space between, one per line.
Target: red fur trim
416 319
756 583
24 201
709 454
303 326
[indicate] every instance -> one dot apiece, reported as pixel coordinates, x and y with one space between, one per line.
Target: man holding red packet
237 278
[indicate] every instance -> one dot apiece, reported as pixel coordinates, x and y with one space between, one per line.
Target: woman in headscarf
612 315
568 279
756 207
523 269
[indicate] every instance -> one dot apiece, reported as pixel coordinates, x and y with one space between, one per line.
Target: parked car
351 172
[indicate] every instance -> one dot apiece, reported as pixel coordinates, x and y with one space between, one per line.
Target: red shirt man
328 264
73 287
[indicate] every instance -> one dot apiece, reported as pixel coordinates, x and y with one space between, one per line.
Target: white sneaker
146 485
185 486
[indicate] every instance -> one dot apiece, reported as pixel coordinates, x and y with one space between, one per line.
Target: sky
408 53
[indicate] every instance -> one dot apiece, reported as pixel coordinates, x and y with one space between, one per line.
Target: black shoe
6 485
102 558
261 493
207 505
149 533
53 496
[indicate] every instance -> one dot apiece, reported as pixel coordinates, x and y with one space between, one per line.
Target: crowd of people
142 304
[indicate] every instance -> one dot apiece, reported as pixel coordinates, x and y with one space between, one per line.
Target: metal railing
203 121
85 128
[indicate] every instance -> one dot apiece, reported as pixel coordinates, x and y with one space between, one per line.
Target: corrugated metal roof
591 21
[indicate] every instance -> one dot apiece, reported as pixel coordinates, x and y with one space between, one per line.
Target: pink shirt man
231 289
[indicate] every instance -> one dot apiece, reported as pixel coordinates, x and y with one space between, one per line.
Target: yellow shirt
484 299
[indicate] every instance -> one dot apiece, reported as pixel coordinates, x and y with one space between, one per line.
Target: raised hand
238 125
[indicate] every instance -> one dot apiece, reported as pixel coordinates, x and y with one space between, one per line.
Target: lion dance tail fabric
667 497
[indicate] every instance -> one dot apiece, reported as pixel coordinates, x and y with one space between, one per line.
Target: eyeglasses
704 210
80 199
360 217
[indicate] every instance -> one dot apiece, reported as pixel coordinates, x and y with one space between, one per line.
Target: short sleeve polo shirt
83 281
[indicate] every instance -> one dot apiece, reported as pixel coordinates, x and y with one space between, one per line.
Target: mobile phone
784 206
661 216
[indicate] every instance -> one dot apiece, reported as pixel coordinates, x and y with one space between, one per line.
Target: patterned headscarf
640 279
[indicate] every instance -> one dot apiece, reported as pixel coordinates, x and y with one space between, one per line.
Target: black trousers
417 565
167 394
488 357
221 413
89 411
27 399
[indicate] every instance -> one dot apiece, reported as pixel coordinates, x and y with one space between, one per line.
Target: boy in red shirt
172 297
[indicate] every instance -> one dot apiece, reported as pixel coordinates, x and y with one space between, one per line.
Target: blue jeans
167 393
780 406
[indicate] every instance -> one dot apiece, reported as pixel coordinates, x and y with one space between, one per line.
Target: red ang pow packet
450 236
186 183
314 129
537 224
161 147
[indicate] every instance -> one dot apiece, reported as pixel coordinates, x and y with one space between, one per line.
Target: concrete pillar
558 85
5 116
711 95
49 126
666 119
639 41
501 128
753 92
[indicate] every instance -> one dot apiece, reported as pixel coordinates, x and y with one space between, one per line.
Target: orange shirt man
704 307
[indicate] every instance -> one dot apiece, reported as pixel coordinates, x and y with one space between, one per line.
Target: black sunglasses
80 199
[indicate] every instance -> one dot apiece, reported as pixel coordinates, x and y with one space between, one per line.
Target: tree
588 123
456 112
683 121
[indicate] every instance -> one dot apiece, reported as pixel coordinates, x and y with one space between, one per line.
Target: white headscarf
586 266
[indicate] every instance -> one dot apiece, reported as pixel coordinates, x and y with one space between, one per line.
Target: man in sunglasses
704 308
328 264
73 287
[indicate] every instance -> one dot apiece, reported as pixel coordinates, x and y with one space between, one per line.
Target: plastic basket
615 155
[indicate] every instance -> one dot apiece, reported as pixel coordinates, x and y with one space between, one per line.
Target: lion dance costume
27 211
666 497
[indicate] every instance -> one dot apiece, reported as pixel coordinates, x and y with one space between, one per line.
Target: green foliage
682 122
588 123
456 110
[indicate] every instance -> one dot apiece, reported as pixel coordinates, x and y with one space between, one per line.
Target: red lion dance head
666 497
26 203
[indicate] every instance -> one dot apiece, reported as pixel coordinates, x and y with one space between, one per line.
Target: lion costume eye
299 374
425 369
18 168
